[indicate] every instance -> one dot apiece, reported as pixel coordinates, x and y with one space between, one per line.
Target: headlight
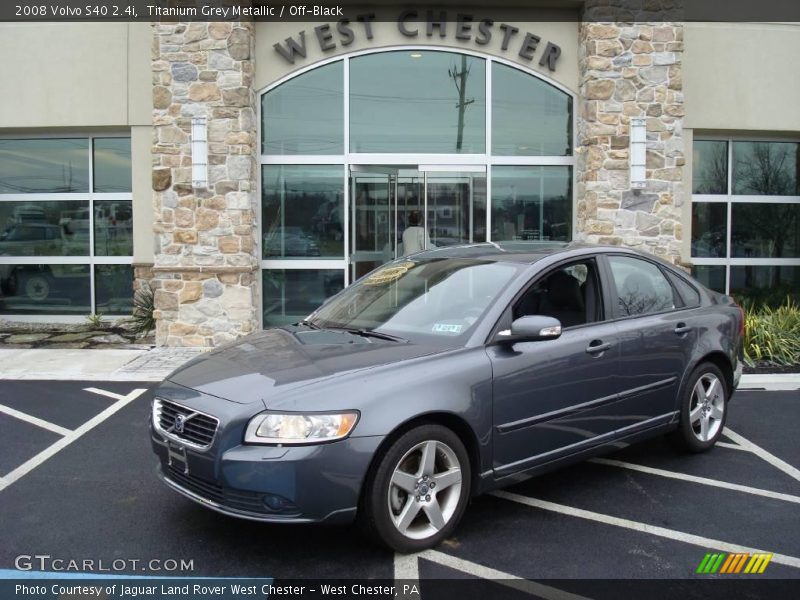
299 428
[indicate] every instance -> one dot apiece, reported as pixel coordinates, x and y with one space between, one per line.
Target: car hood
267 365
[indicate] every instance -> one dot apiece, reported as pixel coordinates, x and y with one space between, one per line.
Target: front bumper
290 484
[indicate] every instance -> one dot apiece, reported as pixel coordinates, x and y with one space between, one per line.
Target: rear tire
704 409
418 490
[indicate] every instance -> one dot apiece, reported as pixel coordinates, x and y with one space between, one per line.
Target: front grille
198 428
237 499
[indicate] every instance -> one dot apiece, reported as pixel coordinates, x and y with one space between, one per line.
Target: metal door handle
682 328
597 346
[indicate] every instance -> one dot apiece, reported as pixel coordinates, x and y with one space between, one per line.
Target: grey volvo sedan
443 375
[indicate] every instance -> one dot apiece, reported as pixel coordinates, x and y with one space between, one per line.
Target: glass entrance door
432 205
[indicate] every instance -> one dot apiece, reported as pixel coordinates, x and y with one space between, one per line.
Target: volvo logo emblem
180 421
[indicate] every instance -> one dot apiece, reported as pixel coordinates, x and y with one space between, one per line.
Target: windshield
419 300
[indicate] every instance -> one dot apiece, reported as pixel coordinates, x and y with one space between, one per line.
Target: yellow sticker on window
389 274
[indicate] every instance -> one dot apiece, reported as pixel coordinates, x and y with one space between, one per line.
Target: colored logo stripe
734 563
722 562
758 563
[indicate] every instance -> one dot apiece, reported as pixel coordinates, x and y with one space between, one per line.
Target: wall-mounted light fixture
638 153
199 152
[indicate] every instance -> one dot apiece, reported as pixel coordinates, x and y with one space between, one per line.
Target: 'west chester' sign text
344 32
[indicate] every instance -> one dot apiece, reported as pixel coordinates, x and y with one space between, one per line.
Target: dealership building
245 171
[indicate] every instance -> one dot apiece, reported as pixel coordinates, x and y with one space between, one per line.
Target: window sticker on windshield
447 328
389 274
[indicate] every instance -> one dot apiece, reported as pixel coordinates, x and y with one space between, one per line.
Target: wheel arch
451 421
721 361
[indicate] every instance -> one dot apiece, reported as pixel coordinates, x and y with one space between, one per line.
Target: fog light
278 503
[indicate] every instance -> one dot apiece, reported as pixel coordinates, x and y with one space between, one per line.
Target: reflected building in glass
246 171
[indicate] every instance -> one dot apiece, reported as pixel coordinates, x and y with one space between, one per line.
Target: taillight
741 319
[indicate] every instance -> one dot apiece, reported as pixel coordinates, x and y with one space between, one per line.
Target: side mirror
533 328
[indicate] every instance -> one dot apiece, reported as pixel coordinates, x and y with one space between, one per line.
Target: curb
770 382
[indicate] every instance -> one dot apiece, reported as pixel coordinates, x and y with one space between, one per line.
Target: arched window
477 148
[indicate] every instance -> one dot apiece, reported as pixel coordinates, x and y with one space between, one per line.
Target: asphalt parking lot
77 482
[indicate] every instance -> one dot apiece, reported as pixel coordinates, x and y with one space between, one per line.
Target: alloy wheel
424 489
707 407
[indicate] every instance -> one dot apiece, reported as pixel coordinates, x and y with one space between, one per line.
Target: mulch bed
765 368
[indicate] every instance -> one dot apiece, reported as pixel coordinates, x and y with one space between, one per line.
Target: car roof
517 252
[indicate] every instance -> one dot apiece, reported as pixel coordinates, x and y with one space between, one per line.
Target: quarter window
641 288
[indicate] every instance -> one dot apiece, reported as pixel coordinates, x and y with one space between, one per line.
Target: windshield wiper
371 333
310 324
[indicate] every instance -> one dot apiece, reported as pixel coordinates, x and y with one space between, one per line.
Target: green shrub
94 319
142 321
772 335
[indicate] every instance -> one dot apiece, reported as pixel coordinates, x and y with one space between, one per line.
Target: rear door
656 335
555 397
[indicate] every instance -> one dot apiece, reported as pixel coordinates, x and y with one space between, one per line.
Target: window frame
611 288
729 199
345 160
91 258
507 316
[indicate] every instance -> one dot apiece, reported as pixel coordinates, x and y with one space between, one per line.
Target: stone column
205 266
630 70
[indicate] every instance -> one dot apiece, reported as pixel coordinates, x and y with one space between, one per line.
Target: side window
641 287
687 292
569 294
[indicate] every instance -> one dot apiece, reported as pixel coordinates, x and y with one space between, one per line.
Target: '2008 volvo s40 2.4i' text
444 375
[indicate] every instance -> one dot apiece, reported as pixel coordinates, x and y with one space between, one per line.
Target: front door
556 397
445 204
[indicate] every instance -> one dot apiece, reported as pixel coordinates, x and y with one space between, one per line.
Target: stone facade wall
630 70
205 267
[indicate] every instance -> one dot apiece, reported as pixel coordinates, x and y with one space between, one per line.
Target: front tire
704 409
418 491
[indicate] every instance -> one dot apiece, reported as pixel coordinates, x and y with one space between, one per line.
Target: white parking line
695 479
761 453
731 446
671 534
65 441
406 567
34 420
106 393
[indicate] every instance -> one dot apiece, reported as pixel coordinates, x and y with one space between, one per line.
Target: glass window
52 228
113 228
709 167
418 101
290 296
305 115
765 230
570 294
531 203
687 292
30 166
767 285
711 276
303 211
113 289
420 299
529 117
112 165
766 168
709 229
44 289
640 286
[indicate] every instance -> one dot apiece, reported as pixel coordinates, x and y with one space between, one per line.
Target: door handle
682 328
597 346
